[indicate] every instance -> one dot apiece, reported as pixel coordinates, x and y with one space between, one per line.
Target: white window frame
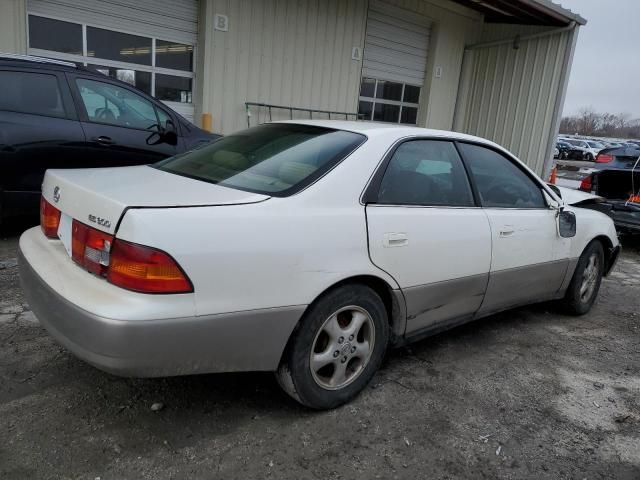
184 108
373 100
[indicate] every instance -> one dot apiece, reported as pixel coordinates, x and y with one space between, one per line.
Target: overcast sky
606 65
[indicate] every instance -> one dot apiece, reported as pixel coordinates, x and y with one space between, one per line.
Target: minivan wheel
337 347
585 284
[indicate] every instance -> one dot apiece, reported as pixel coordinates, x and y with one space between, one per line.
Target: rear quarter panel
270 254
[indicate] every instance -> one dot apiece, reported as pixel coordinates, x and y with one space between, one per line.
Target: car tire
336 349
585 284
588 157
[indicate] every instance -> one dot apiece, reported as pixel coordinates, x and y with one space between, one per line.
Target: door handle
507 231
102 140
395 240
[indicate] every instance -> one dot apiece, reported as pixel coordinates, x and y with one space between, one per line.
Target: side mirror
567 224
164 136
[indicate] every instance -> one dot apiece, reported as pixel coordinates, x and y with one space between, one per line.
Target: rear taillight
125 264
586 184
90 248
604 158
145 269
49 219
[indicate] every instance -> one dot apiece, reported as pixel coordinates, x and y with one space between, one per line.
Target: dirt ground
525 394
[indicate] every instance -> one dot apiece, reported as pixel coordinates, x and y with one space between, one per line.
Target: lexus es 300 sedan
303 248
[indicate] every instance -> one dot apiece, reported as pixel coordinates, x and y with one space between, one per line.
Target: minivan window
274 159
108 103
35 93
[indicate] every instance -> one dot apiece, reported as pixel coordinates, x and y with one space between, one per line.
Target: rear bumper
239 341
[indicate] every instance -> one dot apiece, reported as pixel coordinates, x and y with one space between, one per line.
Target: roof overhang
526 12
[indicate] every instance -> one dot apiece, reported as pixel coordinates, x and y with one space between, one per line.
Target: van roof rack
32 58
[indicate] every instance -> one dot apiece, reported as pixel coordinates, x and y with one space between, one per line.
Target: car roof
10 59
372 129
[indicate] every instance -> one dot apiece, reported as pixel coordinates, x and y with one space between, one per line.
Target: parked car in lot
588 151
564 149
617 180
304 248
54 114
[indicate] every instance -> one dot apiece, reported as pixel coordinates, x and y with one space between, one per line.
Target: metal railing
269 111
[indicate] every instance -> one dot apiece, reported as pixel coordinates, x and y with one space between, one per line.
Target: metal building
493 68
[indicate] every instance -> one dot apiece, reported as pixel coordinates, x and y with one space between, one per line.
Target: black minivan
54 114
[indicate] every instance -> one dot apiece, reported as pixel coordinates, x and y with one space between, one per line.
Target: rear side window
35 93
500 183
425 172
274 159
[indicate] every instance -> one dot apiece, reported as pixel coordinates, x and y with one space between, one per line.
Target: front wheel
336 349
585 284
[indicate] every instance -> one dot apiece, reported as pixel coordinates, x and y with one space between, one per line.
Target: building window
55 35
117 46
386 101
158 67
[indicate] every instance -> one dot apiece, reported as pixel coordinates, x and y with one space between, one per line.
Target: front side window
107 103
425 172
500 183
34 93
272 159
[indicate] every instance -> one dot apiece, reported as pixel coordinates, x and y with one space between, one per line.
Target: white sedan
304 248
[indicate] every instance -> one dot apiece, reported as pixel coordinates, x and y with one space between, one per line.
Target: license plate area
65 232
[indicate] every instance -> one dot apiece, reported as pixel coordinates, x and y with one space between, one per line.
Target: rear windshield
274 159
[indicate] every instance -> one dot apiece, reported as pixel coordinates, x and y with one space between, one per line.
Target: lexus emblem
56 194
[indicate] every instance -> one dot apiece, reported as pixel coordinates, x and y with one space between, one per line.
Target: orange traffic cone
554 175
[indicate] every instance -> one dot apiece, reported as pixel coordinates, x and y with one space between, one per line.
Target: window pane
173 89
364 110
425 172
174 55
500 182
34 93
386 113
55 35
411 94
389 90
106 103
409 115
140 80
118 46
275 159
367 87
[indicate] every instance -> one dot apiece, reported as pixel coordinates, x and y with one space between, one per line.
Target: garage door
148 43
394 63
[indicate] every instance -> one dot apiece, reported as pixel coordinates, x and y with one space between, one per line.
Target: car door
121 125
426 231
529 259
38 130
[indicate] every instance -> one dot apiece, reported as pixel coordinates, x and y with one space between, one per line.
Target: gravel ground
525 394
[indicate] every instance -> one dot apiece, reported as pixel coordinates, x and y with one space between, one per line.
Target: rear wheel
585 284
337 348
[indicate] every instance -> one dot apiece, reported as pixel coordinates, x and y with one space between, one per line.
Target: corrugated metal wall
293 53
13 28
510 95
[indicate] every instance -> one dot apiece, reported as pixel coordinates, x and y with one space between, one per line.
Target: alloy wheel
342 348
590 277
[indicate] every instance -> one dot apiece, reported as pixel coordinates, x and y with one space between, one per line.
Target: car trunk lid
99 196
